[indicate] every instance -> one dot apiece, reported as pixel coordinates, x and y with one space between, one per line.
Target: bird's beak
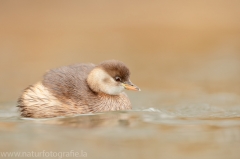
130 86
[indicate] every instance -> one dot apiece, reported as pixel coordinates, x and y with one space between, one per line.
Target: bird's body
78 89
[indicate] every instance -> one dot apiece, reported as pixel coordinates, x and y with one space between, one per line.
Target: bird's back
69 81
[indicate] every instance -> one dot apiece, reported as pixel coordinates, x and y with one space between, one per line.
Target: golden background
169 45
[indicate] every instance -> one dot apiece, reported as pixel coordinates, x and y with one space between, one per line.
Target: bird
78 89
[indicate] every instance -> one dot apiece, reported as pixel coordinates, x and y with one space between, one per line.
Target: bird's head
110 77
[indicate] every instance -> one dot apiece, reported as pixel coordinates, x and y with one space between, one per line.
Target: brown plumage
78 89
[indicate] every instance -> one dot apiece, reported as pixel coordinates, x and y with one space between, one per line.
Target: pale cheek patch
114 90
100 81
111 87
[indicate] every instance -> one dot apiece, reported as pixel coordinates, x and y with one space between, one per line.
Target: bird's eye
118 79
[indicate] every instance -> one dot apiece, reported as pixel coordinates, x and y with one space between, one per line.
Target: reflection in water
186 131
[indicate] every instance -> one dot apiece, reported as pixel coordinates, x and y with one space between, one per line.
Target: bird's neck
107 102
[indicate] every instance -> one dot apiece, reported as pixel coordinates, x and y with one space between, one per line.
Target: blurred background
184 46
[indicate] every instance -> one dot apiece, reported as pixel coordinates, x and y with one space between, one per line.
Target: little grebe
78 89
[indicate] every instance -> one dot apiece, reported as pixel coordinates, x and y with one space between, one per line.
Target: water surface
186 130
